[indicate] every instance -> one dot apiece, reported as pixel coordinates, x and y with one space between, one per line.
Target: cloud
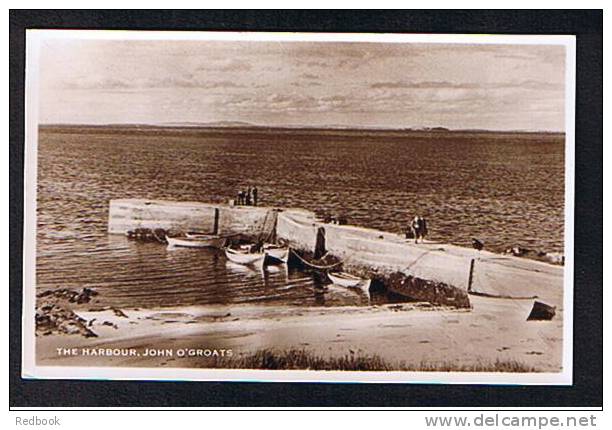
307 84
307 80
527 84
89 83
541 54
184 81
420 85
539 85
233 65
314 63
309 76
221 84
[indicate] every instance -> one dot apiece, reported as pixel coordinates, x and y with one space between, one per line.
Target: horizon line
231 124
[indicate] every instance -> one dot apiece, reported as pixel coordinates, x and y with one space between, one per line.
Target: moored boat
347 280
196 234
277 252
201 241
245 258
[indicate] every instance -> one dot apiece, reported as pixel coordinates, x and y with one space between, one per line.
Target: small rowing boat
347 280
244 257
201 241
199 235
277 252
196 235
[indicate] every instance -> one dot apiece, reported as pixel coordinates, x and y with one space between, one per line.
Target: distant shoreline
254 129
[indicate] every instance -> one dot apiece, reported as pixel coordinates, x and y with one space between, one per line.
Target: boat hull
278 254
349 281
195 235
247 259
200 242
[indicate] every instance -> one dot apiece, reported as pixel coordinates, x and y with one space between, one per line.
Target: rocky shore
57 313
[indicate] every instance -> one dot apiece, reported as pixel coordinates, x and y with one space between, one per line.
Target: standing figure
254 196
240 200
419 228
248 196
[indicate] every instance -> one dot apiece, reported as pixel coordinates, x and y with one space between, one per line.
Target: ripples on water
504 189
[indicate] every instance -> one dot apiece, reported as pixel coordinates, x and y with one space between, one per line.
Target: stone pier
435 272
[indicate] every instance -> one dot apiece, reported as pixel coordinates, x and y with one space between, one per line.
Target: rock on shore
70 296
55 319
54 314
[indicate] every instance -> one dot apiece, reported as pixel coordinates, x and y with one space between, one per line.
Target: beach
408 336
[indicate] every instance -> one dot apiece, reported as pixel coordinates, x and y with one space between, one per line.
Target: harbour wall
129 214
435 272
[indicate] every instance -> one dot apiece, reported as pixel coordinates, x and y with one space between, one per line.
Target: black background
588 296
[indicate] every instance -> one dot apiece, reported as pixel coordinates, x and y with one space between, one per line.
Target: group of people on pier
248 197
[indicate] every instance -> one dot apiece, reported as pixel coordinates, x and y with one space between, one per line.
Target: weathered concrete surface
376 253
497 275
298 228
129 214
248 220
380 256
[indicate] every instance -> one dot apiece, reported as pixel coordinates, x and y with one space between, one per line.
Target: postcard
299 207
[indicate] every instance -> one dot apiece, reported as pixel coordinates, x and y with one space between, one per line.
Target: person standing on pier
419 228
248 196
254 196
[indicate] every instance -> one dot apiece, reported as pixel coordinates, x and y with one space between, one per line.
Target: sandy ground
495 329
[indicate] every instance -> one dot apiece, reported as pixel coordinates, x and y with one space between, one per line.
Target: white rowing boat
347 280
196 235
201 241
246 258
277 252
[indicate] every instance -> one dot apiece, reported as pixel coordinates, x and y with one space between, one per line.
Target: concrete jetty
435 272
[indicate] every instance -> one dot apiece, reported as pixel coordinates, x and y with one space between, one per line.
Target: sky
350 84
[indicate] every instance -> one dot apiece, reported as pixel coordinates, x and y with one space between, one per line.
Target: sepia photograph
299 207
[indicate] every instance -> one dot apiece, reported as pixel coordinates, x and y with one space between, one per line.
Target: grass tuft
300 359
